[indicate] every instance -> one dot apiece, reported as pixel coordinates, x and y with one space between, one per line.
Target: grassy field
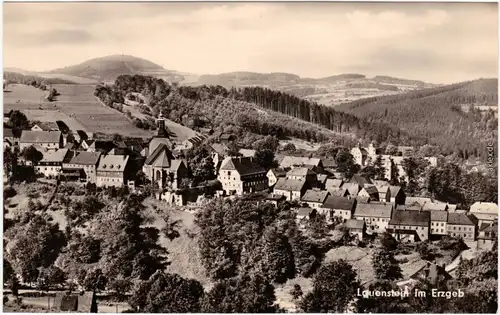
79 102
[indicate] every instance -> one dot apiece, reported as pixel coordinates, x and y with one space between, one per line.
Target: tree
381 304
265 158
93 279
386 266
334 287
345 163
296 292
388 242
32 245
270 143
120 287
32 154
50 277
167 293
391 149
201 164
243 294
171 228
18 120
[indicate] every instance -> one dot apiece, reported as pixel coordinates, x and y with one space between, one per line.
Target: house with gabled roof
333 184
460 225
274 174
292 189
384 193
439 221
410 226
302 173
336 206
360 155
352 188
376 215
84 164
51 163
356 228
315 198
112 170
485 212
163 169
42 140
397 195
298 161
434 206
369 191
242 175
46 126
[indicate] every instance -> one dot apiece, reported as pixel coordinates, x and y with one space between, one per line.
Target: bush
9 192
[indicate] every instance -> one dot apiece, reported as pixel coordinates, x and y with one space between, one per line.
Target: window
442 224
459 228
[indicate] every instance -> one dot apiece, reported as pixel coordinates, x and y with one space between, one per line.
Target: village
313 185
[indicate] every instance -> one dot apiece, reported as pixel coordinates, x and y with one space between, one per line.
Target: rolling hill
438 115
108 68
332 90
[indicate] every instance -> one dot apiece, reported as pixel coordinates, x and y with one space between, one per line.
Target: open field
20 96
79 102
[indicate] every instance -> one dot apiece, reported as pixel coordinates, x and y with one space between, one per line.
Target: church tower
160 125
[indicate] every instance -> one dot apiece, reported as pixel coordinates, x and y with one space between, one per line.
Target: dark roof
278 172
29 136
341 203
48 125
220 148
371 190
355 224
315 196
437 215
85 158
459 219
410 218
304 211
289 184
243 165
226 136
155 154
329 163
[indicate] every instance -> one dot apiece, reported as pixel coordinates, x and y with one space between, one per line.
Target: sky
434 42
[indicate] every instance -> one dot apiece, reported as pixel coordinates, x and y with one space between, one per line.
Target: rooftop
434 207
300 171
459 219
289 161
484 207
420 218
332 182
354 224
243 165
29 136
112 163
315 196
304 211
437 215
289 184
341 203
85 158
373 210
54 156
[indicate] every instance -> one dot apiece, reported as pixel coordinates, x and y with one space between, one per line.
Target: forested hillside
238 109
437 115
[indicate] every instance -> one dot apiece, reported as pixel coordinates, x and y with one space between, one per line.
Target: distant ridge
108 68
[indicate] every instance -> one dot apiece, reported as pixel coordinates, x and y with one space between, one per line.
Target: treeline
36 81
436 116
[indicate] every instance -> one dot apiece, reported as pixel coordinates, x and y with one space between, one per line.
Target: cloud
310 39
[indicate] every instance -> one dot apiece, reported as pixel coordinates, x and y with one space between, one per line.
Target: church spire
160 125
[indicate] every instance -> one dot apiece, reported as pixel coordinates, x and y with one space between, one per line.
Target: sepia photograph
250 157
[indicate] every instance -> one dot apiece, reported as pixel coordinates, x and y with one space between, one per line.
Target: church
161 167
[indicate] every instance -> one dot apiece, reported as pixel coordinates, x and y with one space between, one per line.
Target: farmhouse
376 216
46 126
439 220
112 170
485 212
273 175
51 163
296 161
292 189
460 225
336 206
315 198
302 173
410 226
242 175
45 140
161 168
83 163
384 193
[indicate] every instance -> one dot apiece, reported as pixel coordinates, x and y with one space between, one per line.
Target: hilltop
459 117
331 90
108 68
